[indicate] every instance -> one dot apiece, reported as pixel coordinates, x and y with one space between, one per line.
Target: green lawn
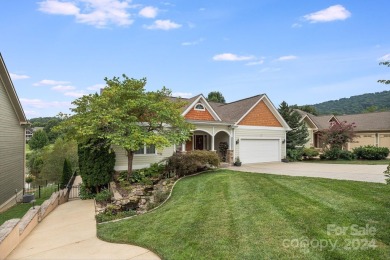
234 215
368 162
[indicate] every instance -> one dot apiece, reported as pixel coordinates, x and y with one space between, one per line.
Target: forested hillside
370 102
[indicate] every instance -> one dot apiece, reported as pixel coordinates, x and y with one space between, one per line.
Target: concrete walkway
69 232
367 173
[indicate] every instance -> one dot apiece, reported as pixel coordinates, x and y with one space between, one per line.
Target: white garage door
255 150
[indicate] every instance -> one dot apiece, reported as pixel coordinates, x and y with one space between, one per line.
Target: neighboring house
252 128
12 141
30 131
371 128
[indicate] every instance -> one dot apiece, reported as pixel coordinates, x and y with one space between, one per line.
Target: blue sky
302 52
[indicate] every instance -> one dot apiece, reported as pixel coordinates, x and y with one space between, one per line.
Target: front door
198 142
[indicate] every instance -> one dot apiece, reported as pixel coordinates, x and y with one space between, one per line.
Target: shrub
370 152
336 154
387 174
310 153
294 154
85 192
113 212
191 162
103 196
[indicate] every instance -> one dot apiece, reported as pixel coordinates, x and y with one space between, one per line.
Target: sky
301 52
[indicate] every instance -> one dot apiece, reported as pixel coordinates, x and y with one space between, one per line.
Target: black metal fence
41 191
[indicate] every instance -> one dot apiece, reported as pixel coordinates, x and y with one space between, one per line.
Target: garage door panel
259 150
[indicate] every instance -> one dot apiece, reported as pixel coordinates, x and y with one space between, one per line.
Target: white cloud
163 25
38 103
231 57
76 94
49 82
148 12
98 13
182 94
96 87
332 13
62 88
254 63
385 57
18 76
192 43
288 57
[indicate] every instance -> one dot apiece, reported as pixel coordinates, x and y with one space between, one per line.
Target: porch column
212 141
183 147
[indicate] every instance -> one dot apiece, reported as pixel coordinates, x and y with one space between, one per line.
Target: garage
259 150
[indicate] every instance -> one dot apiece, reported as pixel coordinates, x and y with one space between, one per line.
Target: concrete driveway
367 173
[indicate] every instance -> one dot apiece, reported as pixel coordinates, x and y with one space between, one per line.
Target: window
146 150
199 106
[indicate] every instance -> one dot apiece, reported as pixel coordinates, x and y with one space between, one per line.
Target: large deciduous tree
384 81
128 116
216 96
298 136
38 140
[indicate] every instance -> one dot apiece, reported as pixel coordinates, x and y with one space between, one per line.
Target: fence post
58 187
39 191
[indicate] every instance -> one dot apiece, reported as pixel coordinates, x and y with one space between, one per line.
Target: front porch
220 142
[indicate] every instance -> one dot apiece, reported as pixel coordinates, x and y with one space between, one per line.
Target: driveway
367 173
69 232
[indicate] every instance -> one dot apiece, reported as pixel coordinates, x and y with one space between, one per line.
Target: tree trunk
130 156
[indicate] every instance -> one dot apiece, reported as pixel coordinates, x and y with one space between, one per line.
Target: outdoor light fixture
284 140
238 141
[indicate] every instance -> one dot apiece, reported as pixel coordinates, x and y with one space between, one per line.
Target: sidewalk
69 232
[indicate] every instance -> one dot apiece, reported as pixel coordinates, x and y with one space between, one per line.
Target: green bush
85 192
295 154
310 153
103 196
370 152
336 154
191 162
387 174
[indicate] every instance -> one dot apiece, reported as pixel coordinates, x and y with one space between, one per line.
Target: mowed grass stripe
231 215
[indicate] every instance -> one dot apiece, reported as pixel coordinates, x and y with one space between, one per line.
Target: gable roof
377 121
10 89
200 98
233 112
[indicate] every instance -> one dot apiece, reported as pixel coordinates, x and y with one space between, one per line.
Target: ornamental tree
128 116
339 134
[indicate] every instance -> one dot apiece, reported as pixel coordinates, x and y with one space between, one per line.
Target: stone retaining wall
13 231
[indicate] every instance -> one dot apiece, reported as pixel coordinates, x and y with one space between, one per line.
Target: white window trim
199 109
146 154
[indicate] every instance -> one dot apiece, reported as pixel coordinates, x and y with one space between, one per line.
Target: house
252 129
371 128
12 141
30 132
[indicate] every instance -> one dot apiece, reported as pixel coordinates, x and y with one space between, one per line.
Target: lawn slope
235 215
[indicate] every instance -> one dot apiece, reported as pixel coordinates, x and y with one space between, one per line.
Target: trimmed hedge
370 152
181 164
336 154
310 153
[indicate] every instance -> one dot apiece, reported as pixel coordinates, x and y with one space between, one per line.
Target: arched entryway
222 144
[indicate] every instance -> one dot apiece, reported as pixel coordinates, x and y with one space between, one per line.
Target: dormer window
199 107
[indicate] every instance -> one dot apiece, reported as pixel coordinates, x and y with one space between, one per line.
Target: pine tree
298 136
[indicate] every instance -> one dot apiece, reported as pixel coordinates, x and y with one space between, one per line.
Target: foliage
298 136
34 163
96 163
355 104
113 212
387 174
294 154
40 121
339 134
384 81
126 115
370 152
53 159
216 96
337 154
66 174
223 147
307 108
155 171
29 178
310 153
103 196
182 164
85 192
48 128
237 162
38 140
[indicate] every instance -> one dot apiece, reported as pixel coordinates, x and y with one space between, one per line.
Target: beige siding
261 133
384 140
11 149
140 161
363 139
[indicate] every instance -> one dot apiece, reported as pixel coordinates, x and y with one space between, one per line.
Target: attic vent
200 107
